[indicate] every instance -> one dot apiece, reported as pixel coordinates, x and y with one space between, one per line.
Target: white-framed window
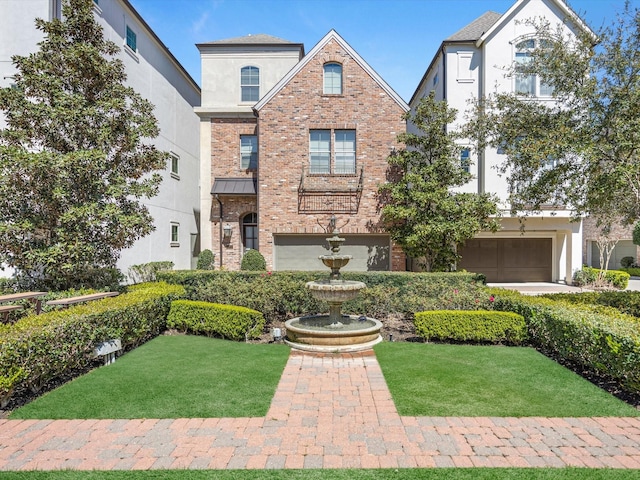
435 80
131 39
250 84
248 152
175 234
174 165
529 84
320 151
344 152
332 79
465 159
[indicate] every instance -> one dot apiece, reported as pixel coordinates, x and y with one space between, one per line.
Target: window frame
537 88
252 163
249 223
252 89
320 155
465 159
174 165
130 33
327 155
174 234
332 83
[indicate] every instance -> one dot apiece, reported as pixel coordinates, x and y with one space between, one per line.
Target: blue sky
397 38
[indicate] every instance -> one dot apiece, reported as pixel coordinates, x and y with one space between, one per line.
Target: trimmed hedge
603 341
215 320
626 302
282 295
44 347
588 275
633 271
472 326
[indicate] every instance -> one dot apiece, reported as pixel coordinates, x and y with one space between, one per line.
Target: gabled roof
484 26
561 4
332 35
475 29
254 40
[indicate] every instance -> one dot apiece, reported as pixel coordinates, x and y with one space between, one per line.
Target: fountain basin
318 333
335 291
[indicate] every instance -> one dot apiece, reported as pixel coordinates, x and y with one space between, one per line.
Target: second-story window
527 84
248 152
320 151
250 84
332 79
345 146
344 152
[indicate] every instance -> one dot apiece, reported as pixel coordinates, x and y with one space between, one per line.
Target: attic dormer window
332 79
250 84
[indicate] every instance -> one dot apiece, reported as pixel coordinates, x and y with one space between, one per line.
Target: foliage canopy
422 211
580 151
75 160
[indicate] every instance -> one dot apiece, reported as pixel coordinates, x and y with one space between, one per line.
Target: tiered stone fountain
334 332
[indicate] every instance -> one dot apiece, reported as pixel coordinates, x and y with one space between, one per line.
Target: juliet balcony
321 192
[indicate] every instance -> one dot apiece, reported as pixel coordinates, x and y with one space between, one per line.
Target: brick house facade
321 153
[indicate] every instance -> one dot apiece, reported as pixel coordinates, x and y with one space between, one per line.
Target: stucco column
205 185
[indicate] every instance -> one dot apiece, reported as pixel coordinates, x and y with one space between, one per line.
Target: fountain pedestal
334 332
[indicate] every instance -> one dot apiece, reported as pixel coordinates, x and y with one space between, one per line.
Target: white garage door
301 252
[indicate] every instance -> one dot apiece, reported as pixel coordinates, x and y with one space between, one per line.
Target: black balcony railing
321 192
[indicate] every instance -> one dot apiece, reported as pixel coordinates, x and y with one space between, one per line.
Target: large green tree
75 157
422 210
581 151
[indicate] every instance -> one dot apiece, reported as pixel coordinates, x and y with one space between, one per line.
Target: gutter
220 225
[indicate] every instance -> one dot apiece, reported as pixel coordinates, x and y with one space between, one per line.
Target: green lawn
190 376
399 474
470 380
171 377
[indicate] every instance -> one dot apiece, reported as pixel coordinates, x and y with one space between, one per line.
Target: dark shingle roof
475 29
259 38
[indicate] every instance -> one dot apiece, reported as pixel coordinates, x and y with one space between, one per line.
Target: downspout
220 222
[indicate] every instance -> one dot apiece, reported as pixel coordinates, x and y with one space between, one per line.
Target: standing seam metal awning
234 186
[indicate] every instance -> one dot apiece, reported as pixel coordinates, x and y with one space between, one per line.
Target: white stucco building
154 73
472 63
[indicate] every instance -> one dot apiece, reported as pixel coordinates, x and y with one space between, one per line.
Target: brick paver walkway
328 412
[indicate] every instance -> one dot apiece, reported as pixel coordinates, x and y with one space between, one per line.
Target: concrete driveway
537 288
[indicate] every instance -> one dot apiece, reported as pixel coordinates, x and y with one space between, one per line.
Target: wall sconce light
226 230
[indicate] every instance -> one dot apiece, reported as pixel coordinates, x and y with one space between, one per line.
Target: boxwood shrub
215 320
632 271
603 341
627 301
588 275
40 348
282 295
471 326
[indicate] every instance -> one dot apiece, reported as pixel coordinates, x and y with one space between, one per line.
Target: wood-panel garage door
301 252
509 259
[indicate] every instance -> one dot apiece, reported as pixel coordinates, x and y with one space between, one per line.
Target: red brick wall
225 163
284 124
